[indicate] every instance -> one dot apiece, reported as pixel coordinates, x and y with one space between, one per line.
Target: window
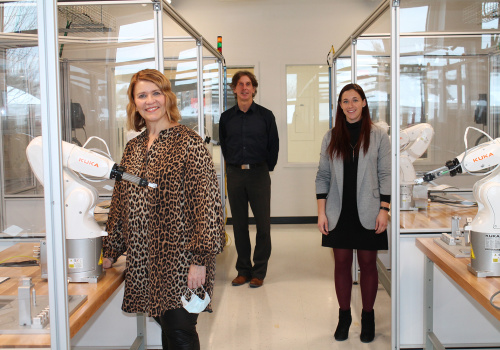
306 111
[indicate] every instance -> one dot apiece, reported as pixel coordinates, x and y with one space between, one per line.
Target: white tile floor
296 309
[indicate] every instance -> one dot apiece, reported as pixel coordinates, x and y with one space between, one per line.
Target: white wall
271 34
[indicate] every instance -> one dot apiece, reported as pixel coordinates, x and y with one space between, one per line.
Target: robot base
84 259
413 197
482 273
485 254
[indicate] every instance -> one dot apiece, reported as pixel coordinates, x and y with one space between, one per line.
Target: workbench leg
141 330
431 341
428 302
140 342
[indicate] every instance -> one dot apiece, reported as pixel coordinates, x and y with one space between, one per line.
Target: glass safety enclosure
431 64
101 44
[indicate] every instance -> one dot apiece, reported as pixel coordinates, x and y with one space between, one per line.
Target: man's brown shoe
256 282
240 280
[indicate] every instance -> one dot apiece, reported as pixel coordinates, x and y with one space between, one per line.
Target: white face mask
195 305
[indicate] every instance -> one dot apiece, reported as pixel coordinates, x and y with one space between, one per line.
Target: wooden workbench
437 218
480 288
97 294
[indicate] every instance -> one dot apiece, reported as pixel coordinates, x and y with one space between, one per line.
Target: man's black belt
247 166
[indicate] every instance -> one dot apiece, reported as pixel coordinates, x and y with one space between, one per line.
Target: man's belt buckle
245 166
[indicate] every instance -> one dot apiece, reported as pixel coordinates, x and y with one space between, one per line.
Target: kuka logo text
88 162
482 157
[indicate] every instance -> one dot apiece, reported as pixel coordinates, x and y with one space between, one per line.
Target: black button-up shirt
249 138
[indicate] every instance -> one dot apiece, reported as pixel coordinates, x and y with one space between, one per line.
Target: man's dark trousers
250 186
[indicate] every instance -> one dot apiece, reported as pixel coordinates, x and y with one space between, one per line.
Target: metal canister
406 200
485 254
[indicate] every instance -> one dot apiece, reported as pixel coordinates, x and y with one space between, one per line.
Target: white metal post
395 95
199 63
333 93
354 79
52 173
354 70
158 19
222 84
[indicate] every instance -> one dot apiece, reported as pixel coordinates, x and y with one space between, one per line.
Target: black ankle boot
367 326
345 319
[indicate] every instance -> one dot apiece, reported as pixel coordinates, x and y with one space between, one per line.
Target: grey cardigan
374 178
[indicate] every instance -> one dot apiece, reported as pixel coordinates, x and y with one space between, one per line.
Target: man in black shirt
250 144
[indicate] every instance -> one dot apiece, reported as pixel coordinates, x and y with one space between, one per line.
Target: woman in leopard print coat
172 233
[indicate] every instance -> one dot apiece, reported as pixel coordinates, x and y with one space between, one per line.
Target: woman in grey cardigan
353 190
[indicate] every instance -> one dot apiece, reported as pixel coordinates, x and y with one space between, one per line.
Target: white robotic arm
80 198
83 234
476 159
414 141
485 228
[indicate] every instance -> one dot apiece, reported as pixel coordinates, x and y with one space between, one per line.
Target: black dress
349 233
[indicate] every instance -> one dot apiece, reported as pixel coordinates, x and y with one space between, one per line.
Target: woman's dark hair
340 142
134 120
237 76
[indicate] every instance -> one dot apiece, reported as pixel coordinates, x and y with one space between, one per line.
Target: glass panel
442 86
307 111
448 15
211 109
182 73
20 98
374 75
181 69
180 53
211 96
101 47
343 70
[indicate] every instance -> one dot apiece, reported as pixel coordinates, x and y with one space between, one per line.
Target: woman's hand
381 222
196 276
323 224
107 263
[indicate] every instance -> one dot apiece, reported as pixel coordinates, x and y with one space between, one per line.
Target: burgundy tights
367 260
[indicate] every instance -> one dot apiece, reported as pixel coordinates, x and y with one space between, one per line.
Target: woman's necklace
353 147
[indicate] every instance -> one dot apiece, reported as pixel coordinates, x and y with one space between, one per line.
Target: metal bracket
354 41
24 301
157 6
395 3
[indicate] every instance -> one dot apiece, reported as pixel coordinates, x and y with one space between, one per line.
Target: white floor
296 309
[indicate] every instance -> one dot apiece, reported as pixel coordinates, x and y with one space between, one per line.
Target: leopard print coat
164 230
